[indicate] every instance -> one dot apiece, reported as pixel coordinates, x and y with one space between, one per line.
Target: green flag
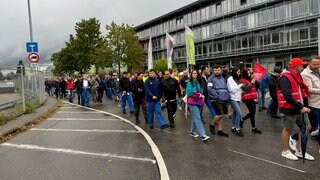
190 46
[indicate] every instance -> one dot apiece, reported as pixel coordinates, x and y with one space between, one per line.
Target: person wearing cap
311 76
273 84
290 98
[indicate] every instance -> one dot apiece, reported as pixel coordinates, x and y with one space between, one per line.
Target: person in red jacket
248 97
70 88
291 94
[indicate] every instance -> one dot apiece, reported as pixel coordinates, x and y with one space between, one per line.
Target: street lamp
30 21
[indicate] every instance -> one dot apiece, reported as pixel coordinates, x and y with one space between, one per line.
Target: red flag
259 71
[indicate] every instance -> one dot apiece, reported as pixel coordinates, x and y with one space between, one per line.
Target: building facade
238 32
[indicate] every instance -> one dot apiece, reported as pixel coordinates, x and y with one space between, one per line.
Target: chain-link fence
21 91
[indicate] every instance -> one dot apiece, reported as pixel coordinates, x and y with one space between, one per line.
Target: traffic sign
32 46
33 57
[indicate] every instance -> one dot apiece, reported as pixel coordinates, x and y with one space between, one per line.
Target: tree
1 76
10 76
124 45
162 65
79 53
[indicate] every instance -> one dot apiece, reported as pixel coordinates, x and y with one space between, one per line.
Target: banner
150 58
170 42
259 71
190 46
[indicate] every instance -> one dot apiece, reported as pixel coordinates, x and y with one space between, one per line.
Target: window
294 36
313 33
275 38
266 39
243 2
219 46
218 8
304 34
314 6
244 43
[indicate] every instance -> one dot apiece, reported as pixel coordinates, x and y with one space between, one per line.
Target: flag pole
185 33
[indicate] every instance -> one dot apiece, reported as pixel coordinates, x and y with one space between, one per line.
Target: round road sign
33 57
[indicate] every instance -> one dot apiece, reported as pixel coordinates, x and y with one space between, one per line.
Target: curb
38 118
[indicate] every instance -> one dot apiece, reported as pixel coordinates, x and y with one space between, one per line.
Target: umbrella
304 138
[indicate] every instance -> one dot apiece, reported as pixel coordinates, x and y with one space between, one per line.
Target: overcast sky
54 20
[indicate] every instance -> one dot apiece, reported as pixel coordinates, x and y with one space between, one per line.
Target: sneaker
137 121
292 144
151 127
264 108
315 132
238 133
256 131
223 134
287 154
233 130
306 156
123 112
212 129
195 135
174 116
205 138
172 124
164 126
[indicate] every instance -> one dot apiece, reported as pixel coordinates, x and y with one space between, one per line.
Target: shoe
146 121
195 135
212 129
223 134
256 131
123 112
287 154
233 130
131 112
172 124
164 126
315 132
238 133
264 108
205 138
260 110
292 144
306 156
151 127
137 121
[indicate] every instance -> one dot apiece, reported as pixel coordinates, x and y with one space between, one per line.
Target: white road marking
264 160
77 112
164 175
76 152
86 130
81 119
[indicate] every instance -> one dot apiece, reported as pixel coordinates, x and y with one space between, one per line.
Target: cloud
54 20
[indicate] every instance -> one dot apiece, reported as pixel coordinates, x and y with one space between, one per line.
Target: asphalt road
78 143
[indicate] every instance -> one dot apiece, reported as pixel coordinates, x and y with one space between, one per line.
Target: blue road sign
32 46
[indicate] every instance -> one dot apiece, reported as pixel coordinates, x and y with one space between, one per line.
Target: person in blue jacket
153 95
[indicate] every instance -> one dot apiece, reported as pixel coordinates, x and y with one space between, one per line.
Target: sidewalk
24 119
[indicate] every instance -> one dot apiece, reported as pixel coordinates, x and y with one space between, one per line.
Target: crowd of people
294 92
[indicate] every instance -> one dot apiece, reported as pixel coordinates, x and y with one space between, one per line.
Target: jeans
171 109
127 97
143 104
262 97
110 93
70 95
155 108
85 97
100 95
196 123
236 115
210 108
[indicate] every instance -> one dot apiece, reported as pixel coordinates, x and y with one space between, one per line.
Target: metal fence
21 91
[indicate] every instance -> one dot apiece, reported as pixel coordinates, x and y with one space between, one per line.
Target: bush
30 106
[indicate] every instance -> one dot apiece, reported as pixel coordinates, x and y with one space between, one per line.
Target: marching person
170 87
153 96
70 89
248 97
85 91
273 84
125 89
205 75
138 94
290 97
195 102
219 96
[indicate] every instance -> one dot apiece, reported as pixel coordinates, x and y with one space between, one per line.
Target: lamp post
30 21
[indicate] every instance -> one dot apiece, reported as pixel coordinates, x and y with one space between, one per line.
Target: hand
154 97
124 92
305 110
253 81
